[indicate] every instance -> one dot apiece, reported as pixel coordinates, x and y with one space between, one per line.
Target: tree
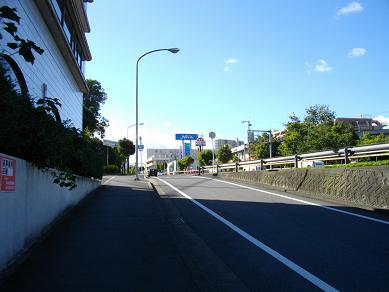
126 148
319 114
205 157
317 132
92 101
367 139
260 148
185 162
224 154
235 158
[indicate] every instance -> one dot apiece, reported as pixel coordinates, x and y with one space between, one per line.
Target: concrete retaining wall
36 203
362 186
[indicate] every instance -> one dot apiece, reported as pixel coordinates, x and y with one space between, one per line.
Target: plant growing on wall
24 47
33 130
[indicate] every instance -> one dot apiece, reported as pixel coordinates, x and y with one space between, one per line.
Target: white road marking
303 201
293 266
108 180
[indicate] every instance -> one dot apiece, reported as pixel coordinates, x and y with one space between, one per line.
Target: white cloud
383 120
357 52
231 61
322 67
353 7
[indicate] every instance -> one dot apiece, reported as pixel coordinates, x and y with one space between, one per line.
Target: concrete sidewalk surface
122 238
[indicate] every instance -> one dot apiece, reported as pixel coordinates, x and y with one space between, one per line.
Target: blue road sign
141 147
186 136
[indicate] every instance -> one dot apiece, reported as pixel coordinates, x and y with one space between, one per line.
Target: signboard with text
187 149
186 136
141 147
7 174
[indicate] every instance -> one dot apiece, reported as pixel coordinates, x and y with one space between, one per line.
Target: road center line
303 201
293 266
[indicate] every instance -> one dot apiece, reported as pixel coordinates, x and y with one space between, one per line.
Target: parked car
153 172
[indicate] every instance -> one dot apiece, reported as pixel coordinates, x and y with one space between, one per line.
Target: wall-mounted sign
7 174
186 136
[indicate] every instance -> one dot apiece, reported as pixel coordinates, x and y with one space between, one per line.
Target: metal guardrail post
236 166
261 165
346 154
217 169
296 161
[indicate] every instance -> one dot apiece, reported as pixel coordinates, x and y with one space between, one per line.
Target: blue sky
239 60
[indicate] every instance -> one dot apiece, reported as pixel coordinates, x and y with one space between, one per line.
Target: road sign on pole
212 135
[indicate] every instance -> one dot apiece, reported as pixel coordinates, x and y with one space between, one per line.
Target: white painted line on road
108 180
303 201
296 268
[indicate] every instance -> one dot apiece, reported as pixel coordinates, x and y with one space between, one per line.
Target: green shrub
111 169
359 164
31 131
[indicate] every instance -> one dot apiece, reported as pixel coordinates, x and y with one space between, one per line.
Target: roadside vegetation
31 127
359 164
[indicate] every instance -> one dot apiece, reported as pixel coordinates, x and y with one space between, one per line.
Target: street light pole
171 50
132 126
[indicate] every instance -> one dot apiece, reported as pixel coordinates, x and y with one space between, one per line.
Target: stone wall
363 186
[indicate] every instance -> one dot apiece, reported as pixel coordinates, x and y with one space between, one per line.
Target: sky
239 60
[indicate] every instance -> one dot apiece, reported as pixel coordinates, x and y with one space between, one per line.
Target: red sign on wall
7 174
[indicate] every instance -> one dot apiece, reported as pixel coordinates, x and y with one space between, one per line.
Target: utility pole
248 136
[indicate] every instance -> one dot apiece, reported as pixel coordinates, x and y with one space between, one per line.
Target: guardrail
346 155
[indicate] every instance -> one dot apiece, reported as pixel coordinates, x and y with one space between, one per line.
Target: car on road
152 172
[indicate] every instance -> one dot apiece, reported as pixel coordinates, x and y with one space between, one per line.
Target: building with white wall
160 156
231 143
58 27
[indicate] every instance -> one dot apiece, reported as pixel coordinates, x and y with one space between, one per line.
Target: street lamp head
141 124
174 50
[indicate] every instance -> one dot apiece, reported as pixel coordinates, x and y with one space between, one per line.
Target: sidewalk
117 240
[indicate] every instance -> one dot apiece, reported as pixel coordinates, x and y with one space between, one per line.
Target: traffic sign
200 142
141 147
212 135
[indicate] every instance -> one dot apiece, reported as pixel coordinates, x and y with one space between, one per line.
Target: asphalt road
277 241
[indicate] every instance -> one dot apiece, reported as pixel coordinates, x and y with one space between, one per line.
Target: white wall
50 67
25 213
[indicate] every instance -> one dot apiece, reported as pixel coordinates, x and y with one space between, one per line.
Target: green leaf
12 45
38 49
11 28
9 13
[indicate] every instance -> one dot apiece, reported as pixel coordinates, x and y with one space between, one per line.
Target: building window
68 28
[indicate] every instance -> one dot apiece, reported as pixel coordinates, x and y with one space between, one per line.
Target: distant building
241 152
159 156
279 134
109 143
58 27
364 125
231 143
